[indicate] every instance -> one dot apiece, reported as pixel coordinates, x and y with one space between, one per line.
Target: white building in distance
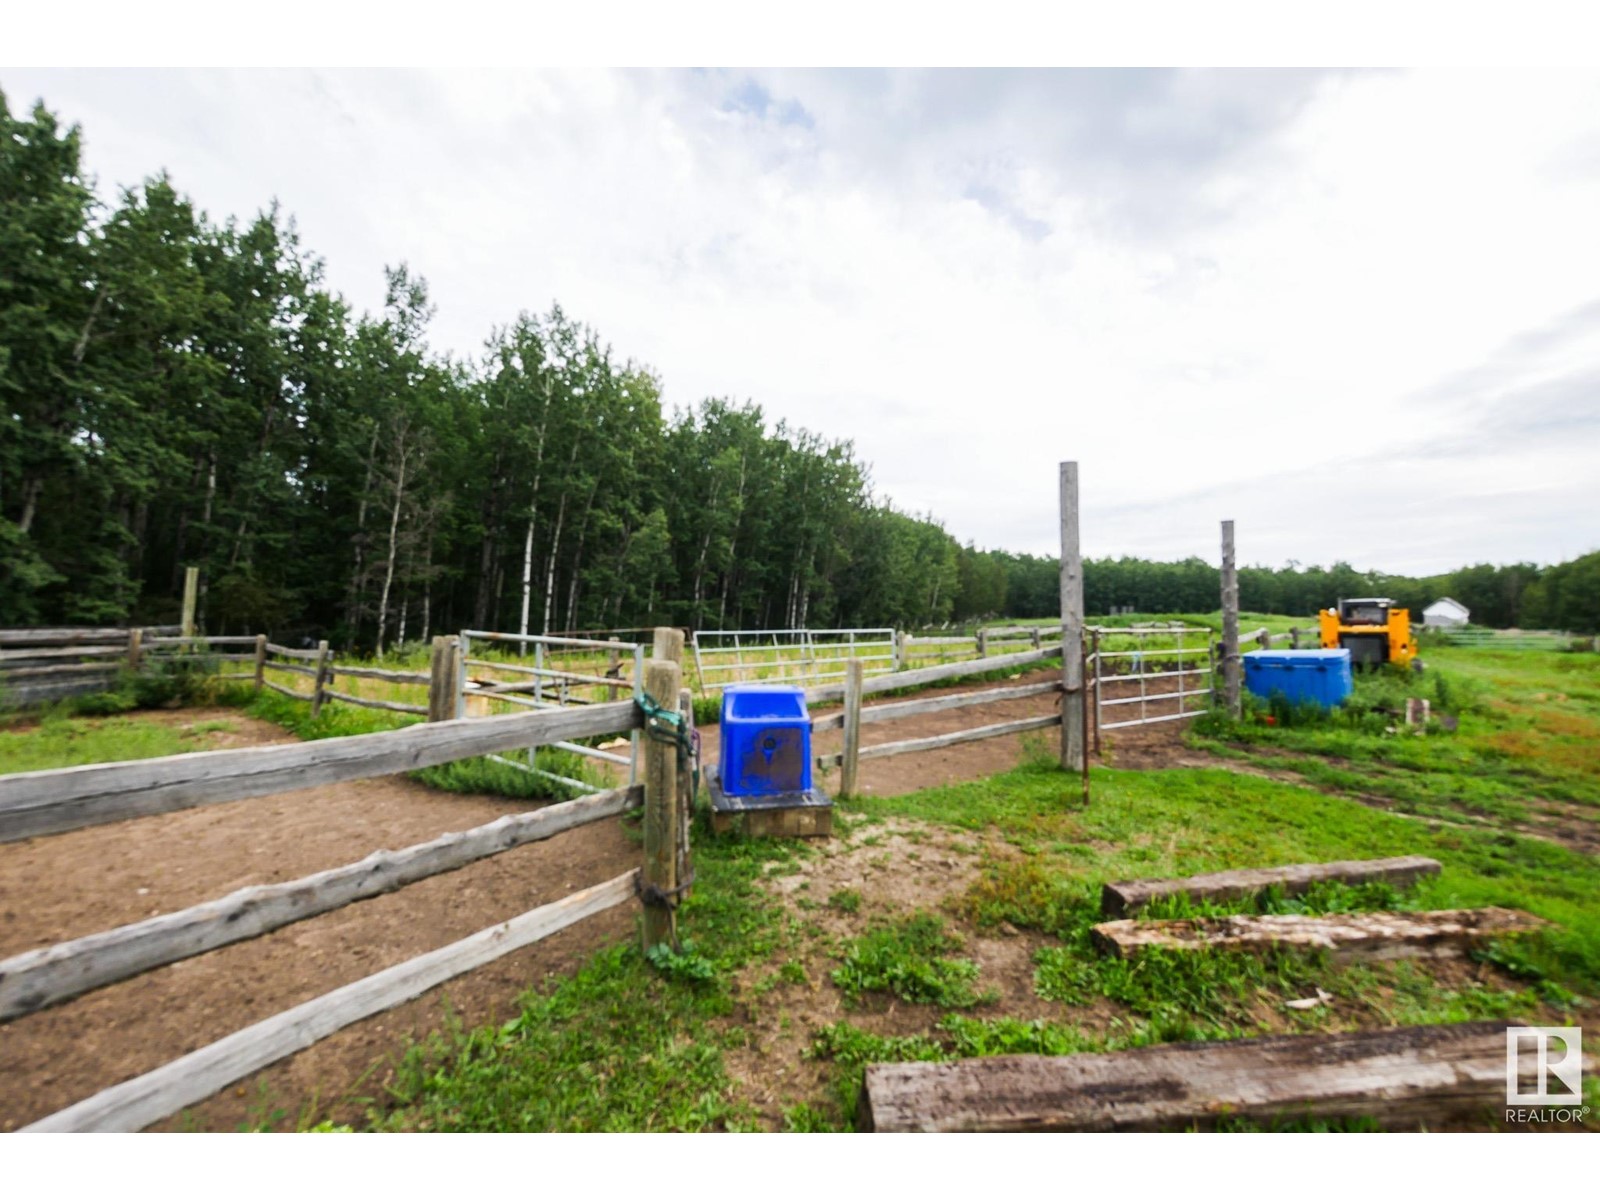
1445 611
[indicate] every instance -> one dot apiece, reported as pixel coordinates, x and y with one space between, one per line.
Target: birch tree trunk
394 529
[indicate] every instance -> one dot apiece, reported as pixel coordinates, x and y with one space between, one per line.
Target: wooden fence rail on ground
1346 936
1123 898
1397 1077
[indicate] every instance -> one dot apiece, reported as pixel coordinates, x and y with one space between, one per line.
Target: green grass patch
621 1045
472 776
60 740
910 959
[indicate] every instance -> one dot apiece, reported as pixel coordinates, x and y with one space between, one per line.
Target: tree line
1565 596
183 392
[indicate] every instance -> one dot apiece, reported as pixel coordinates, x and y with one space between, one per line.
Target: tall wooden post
661 680
668 644
1037 635
319 680
902 651
135 649
191 593
983 642
852 728
261 660
1072 749
1230 624
613 667
440 679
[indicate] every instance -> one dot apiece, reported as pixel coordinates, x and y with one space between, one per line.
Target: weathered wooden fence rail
38 803
39 978
35 803
854 715
41 665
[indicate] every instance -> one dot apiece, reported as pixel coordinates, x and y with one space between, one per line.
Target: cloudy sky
1357 312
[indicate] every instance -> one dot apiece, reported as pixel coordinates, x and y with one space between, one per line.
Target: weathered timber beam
1365 935
1128 896
1398 1077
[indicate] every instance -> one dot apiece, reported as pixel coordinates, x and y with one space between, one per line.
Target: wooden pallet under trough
1126 897
1366 935
1421 1076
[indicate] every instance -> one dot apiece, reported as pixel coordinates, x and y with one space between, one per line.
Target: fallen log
1400 1078
1127 897
1365 935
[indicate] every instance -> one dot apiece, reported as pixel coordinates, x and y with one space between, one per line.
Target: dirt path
94 879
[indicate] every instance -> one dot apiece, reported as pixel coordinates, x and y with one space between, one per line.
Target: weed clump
909 960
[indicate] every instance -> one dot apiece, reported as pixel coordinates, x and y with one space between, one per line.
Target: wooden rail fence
43 803
41 665
854 716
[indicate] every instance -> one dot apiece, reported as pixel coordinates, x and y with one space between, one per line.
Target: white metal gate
809 656
562 672
1148 674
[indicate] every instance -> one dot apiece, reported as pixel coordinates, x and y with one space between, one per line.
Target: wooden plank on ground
35 803
1423 1074
39 978
169 1089
1128 896
1365 935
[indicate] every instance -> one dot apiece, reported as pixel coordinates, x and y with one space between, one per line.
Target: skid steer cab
1373 630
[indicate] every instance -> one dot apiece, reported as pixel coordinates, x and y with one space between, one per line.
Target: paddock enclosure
185 940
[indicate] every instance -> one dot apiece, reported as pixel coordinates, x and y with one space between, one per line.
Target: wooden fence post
320 680
135 648
191 592
613 667
1072 748
439 679
261 660
1038 638
903 651
983 642
852 728
1230 624
661 820
668 645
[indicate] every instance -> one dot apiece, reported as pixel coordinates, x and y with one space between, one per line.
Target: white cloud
1279 298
